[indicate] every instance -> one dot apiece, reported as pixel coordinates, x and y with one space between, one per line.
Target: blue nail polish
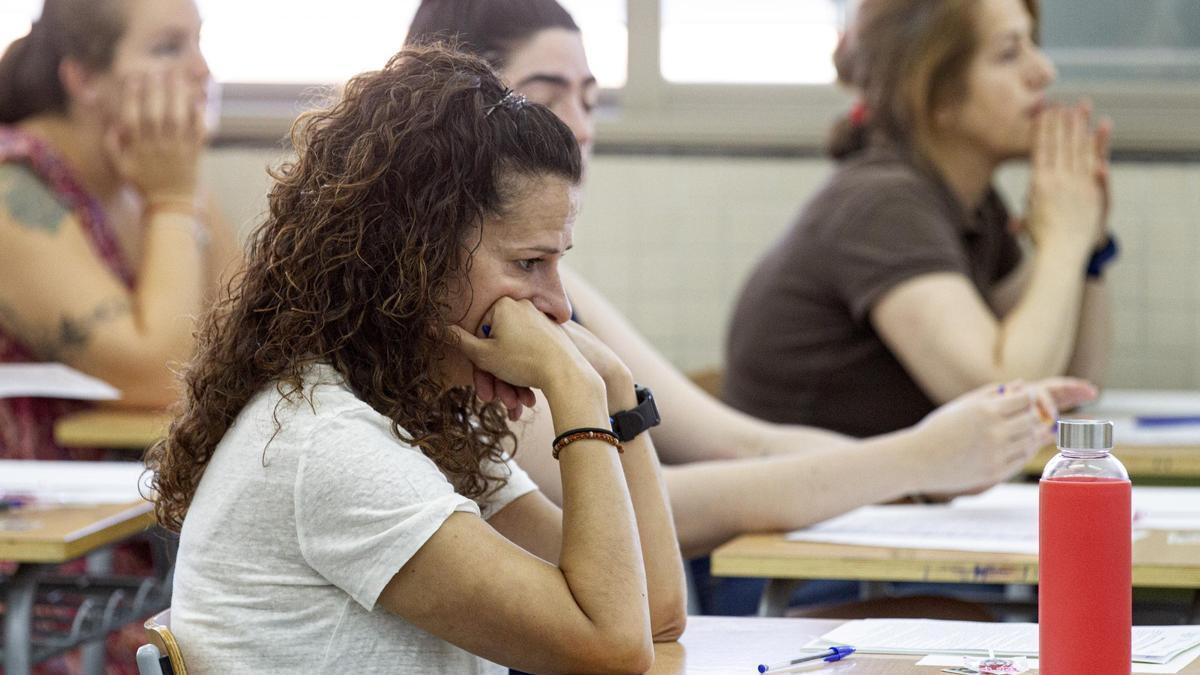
487 330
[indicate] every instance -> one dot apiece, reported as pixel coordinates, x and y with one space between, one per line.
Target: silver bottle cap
1085 434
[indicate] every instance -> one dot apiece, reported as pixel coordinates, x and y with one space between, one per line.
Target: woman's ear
78 82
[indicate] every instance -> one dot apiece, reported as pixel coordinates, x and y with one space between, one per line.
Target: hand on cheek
488 387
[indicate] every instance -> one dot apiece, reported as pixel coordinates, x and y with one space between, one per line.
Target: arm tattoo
75 332
29 203
71 335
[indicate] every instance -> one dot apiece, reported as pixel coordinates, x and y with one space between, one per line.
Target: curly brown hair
367 230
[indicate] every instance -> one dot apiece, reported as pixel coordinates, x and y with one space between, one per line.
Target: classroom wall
670 239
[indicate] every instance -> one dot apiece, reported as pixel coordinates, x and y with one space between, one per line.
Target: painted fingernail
1000 389
487 330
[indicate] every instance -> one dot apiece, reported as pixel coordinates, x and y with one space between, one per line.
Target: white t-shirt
286 548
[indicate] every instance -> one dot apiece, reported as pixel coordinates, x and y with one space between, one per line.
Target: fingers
507 395
154 106
130 114
1042 152
1103 142
177 116
1020 427
485 385
526 397
1011 399
474 348
1083 150
1069 392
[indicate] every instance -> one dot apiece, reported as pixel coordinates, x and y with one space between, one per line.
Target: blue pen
1166 420
830 655
7 503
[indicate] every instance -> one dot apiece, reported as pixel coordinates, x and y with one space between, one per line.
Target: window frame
652 114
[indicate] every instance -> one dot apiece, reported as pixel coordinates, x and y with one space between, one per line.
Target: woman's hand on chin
516 349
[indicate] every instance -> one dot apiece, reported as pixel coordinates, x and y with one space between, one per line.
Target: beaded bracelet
585 433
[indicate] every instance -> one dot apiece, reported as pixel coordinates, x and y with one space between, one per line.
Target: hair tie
860 114
510 100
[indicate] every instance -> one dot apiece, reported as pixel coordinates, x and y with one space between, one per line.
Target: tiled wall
670 239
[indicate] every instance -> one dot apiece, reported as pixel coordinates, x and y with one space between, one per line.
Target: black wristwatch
627 424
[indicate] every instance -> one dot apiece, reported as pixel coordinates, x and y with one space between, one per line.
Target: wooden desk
715 644
120 429
38 538
1176 460
62 533
1156 563
719 644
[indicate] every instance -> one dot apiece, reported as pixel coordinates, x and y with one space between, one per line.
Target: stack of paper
52 380
74 482
1001 520
1151 644
1149 418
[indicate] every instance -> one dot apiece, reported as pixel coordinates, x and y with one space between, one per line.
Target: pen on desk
1166 420
832 654
7 503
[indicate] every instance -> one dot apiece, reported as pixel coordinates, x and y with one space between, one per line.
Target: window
735 73
1120 40
15 18
283 42
750 42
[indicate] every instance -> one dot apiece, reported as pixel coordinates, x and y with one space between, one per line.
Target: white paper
74 482
1122 406
1151 644
1001 520
52 380
930 526
1173 666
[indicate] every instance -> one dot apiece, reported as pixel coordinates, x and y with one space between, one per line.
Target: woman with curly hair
332 458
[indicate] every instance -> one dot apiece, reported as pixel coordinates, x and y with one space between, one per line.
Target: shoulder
27 203
880 197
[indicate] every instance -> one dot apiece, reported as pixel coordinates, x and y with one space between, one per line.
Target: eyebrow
553 80
548 250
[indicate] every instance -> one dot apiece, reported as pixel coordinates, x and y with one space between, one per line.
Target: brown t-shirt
801 346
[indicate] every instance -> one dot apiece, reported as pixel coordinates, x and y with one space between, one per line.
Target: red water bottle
1085 556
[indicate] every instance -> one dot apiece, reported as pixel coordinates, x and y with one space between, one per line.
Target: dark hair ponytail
848 135
85 30
490 29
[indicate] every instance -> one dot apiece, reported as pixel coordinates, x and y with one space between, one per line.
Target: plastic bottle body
1085 565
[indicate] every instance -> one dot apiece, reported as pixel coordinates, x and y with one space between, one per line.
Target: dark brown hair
367 231
491 29
905 58
85 30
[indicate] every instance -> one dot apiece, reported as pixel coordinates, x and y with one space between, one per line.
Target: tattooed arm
59 299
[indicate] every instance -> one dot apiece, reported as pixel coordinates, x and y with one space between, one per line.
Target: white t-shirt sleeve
359 521
518 484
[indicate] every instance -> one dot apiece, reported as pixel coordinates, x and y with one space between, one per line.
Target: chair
161 656
708 379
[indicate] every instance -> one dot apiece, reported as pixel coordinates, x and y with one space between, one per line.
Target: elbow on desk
671 628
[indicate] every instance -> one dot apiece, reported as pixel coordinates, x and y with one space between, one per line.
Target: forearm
714 502
1037 338
1094 337
665 580
170 285
223 255
601 558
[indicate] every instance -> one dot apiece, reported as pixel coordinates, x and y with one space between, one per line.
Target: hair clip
511 100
